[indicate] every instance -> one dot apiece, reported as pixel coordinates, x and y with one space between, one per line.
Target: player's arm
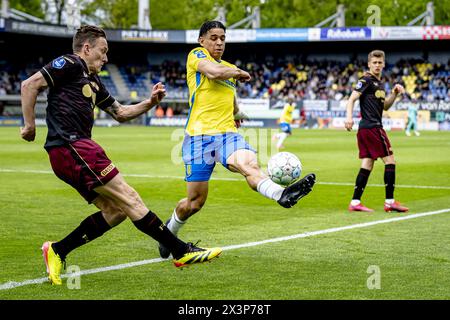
29 90
235 106
350 105
216 71
239 116
124 113
398 89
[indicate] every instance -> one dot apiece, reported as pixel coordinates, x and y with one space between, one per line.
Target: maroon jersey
371 101
73 94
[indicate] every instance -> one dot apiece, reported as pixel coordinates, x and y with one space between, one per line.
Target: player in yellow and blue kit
286 120
211 133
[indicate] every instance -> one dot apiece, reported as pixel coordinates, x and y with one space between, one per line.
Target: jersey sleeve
362 85
60 70
104 98
195 56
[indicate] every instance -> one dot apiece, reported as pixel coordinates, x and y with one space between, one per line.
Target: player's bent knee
246 165
196 204
132 197
116 213
115 217
112 212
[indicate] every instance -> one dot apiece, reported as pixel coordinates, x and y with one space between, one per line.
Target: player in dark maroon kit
75 90
373 142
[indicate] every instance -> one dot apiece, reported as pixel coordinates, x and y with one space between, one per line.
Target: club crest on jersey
58 63
188 169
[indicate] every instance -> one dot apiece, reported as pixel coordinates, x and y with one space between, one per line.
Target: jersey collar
84 64
371 74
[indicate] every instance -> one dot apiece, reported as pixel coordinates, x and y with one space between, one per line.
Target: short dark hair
208 25
376 54
86 33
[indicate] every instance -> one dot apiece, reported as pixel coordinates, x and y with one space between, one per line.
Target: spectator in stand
159 112
169 112
278 77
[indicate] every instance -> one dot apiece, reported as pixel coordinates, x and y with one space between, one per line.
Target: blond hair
376 54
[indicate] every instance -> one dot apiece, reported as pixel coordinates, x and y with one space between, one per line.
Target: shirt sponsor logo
87 91
200 54
58 63
380 94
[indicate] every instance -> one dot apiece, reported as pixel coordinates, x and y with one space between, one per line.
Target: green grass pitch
411 257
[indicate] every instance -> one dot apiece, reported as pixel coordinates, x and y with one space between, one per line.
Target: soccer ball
284 168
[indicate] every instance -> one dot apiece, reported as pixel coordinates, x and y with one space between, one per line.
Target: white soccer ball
284 168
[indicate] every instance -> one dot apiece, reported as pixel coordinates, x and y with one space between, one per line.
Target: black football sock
89 229
361 182
150 224
389 180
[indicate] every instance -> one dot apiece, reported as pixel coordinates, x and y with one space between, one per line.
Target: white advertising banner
397 33
253 104
315 105
233 35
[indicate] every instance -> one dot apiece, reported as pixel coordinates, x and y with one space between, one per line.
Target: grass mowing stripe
13 284
232 179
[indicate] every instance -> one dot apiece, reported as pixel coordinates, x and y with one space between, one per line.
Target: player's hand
398 89
28 133
239 117
348 124
158 93
243 76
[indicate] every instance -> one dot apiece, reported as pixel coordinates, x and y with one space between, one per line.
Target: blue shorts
285 127
200 153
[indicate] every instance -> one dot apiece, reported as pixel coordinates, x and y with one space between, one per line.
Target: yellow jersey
211 102
286 115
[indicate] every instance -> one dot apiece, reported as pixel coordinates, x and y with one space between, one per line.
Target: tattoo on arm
113 109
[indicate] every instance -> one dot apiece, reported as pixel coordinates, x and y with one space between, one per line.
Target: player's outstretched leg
183 253
293 193
163 251
196 254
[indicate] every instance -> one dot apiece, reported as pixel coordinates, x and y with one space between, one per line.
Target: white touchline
13 284
230 179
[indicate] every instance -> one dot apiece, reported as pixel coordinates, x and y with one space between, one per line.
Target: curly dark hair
208 25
